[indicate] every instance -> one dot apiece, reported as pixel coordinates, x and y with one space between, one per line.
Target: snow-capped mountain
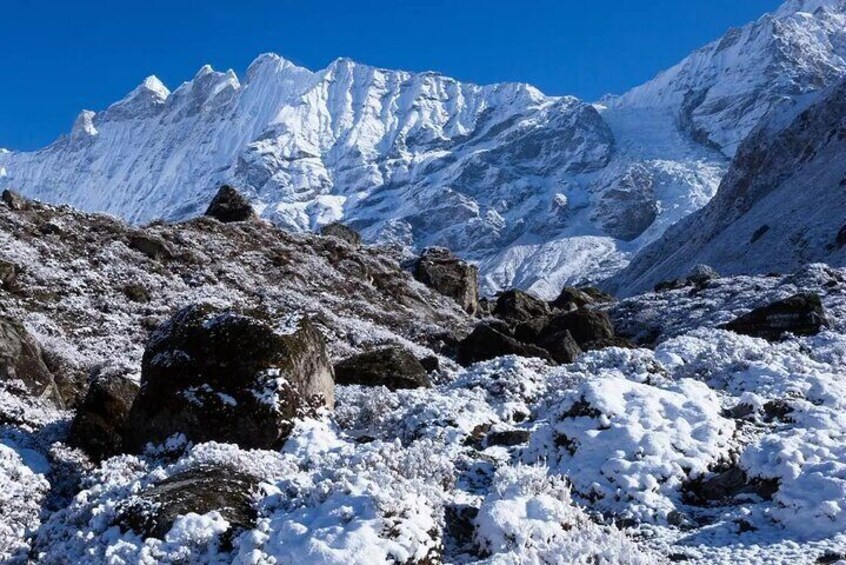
539 190
780 206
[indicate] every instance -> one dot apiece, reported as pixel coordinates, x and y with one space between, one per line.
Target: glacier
539 190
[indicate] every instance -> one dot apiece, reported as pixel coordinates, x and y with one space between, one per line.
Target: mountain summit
539 190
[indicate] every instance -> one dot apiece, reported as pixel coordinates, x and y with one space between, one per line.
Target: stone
228 377
561 346
152 246
604 343
571 298
508 438
802 314
203 489
442 271
99 425
21 359
726 485
518 306
391 367
487 341
8 275
229 205
584 325
342 232
14 200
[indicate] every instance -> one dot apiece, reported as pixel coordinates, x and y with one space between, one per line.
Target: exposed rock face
449 275
14 200
779 206
627 208
228 377
727 485
229 205
518 306
391 367
489 341
152 512
99 424
561 346
342 232
801 314
21 359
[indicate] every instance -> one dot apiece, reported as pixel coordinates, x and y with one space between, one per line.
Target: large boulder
229 205
586 326
439 269
571 298
227 377
518 306
392 367
14 200
801 314
21 359
204 489
100 421
489 341
342 232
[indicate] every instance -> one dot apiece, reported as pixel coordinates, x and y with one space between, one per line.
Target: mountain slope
539 190
781 204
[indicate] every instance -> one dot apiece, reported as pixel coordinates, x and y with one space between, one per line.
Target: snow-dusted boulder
392 367
21 359
439 269
229 205
223 376
801 314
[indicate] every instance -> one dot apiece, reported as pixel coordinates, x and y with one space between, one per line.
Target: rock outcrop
201 490
392 367
801 314
439 269
99 425
228 377
342 232
21 359
229 205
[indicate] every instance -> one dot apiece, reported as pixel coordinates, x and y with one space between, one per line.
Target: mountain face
780 206
539 190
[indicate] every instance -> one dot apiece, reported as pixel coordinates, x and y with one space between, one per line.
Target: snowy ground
507 461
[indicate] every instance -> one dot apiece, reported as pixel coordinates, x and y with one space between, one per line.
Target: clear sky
58 56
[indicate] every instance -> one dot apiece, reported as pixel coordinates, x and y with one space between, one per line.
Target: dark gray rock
561 346
8 275
517 306
21 359
204 489
392 367
801 314
14 200
488 341
441 270
725 486
571 298
99 424
584 325
342 232
227 377
229 205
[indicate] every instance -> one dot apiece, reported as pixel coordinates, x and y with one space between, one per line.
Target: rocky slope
702 445
539 190
780 205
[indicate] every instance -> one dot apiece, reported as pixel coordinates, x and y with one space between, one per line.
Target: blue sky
58 57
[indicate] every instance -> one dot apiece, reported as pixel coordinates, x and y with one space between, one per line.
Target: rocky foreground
219 390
